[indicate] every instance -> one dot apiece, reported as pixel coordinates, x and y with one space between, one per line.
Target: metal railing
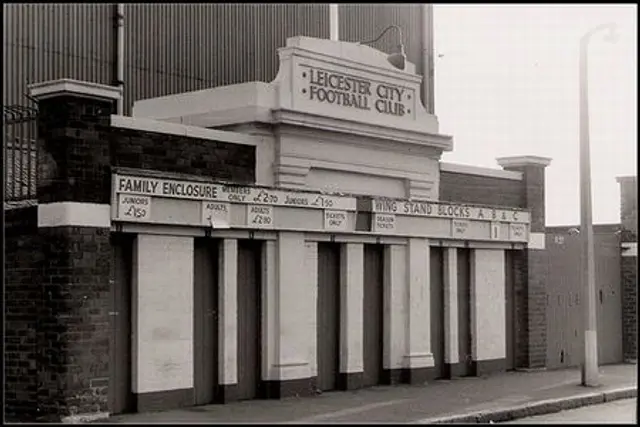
20 152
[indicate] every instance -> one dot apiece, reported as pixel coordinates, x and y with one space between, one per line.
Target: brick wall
169 153
59 279
629 267
79 149
629 208
73 329
23 261
630 308
483 190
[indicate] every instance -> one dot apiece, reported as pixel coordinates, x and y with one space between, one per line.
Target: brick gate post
629 266
73 191
531 267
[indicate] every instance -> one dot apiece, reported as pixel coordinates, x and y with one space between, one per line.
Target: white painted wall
228 312
488 327
351 314
162 330
418 354
295 299
395 308
353 164
450 269
311 272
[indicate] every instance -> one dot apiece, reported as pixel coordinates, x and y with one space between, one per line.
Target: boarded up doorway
510 313
328 316
372 313
205 326
465 361
437 310
120 390
249 319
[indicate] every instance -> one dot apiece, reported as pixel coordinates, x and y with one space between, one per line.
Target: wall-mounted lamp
399 58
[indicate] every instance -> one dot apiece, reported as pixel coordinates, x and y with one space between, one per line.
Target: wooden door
608 298
510 311
372 313
464 312
120 360
205 325
249 319
328 316
437 310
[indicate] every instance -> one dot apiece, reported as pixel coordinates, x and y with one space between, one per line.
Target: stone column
629 266
488 327
450 280
291 297
531 268
74 180
351 315
227 321
418 357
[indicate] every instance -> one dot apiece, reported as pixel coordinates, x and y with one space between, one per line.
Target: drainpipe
333 22
428 84
119 18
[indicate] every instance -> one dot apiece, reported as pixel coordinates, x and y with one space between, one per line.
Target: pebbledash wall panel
175 48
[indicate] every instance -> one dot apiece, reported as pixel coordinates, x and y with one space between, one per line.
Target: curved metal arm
384 32
585 38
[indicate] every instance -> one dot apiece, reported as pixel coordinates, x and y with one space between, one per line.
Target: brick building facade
108 313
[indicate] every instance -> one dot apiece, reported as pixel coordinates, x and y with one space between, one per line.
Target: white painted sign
134 208
357 93
260 216
335 220
459 228
495 230
448 210
384 223
124 184
518 232
216 215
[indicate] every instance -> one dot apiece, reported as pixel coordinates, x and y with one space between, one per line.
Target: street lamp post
590 375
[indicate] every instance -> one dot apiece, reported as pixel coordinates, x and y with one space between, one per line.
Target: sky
507 85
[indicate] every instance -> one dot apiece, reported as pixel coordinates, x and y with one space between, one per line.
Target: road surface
617 412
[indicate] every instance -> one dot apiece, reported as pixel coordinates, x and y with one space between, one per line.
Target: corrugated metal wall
362 22
184 47
173 48
51 41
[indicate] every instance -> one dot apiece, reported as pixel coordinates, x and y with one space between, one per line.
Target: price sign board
134 208
260 216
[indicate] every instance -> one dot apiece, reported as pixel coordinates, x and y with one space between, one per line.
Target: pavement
497 398
619 412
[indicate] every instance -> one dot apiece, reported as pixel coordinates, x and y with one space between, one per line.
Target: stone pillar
531 267
162 322
418 357
227 321
351 315
629 266
291 300
488 327
450 279
395 312
74 180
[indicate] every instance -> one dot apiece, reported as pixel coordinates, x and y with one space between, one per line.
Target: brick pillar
531 267
73 191
629 266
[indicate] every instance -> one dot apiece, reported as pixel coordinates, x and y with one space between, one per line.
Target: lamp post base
590 373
